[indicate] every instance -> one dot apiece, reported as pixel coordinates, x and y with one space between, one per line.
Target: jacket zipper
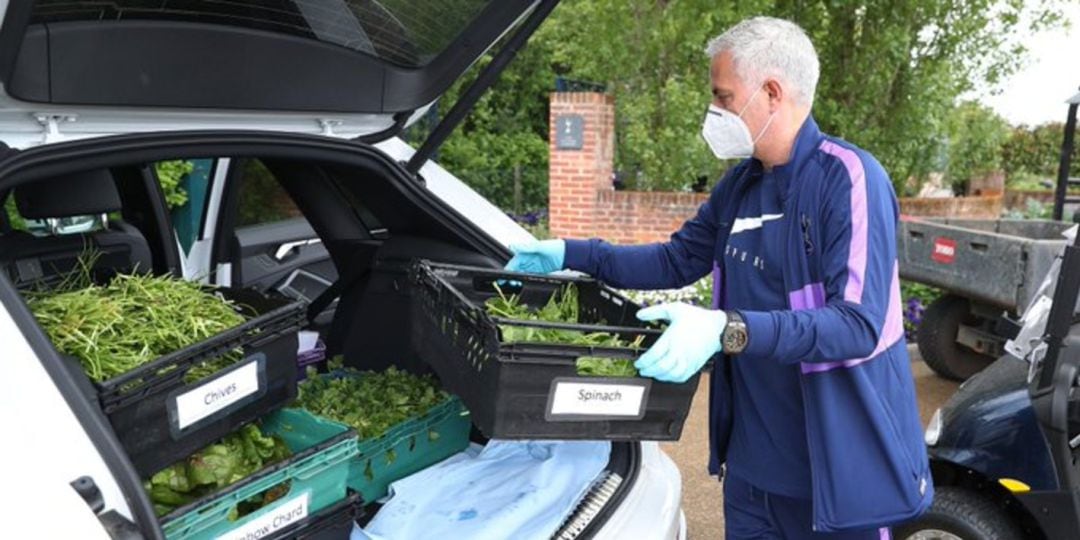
804 224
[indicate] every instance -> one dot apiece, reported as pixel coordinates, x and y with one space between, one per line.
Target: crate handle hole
260 500
494 285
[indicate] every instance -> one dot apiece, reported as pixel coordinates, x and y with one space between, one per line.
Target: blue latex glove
690 340
543 257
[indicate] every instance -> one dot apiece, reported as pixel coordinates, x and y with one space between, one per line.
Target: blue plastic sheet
507 489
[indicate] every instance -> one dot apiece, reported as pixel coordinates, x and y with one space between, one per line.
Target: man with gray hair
812 403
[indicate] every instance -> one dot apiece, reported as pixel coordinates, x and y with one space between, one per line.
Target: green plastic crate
409 447
316 473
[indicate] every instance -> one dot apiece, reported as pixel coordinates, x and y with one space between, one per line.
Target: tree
170 174
976 136
891 74
1033 154
892 69
650 54
504 137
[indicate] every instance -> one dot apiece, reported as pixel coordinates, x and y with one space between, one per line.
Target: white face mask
726 133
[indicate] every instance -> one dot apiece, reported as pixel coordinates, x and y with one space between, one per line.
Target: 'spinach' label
597 399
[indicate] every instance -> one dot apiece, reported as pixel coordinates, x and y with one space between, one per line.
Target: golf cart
1004 449
987 267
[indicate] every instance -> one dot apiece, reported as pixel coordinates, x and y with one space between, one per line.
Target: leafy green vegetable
371 402
132 320
237 456
606 367
563 306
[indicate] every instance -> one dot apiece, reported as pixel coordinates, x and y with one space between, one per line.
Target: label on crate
281 516
597 399
218 394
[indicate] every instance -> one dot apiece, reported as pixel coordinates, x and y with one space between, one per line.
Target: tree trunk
517 189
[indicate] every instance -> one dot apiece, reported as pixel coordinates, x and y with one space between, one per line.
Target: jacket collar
806 142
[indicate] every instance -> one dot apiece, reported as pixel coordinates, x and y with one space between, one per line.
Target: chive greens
133 319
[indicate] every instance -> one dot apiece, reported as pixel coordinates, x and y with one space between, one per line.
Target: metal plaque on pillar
569 132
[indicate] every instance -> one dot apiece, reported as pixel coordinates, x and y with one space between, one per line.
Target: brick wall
583 202
987 184
959 207
577 177
637 217
1016 199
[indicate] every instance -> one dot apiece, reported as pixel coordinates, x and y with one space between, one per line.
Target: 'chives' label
284 514
209 398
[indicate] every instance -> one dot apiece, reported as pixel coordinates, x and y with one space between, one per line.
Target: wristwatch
734 337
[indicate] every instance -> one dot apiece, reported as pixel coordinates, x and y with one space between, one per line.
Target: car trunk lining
375 337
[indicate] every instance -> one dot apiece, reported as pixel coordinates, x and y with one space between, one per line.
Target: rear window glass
262 199
405 32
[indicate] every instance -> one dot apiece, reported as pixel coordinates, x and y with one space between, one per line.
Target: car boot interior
372 219
371 233
370 324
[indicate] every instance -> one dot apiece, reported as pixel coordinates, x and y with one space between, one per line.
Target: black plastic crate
158 416
533 391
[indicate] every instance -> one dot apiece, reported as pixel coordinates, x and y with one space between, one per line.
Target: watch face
735 339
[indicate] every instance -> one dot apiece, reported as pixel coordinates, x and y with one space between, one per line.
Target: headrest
78 194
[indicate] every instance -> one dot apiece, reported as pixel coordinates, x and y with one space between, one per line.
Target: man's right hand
537 257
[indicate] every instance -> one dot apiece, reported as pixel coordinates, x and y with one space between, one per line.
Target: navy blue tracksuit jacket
843 327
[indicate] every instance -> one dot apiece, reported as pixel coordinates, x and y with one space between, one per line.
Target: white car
292 108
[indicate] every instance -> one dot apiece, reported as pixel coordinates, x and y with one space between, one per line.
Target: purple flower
913 310
529 218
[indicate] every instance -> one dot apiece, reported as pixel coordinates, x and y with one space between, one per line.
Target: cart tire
960 513
936 338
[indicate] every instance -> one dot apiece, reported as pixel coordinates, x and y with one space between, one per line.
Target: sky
1051 74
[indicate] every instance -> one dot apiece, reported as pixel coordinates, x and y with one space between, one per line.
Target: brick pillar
577 176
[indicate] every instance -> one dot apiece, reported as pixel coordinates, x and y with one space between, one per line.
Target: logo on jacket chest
746 242
735 254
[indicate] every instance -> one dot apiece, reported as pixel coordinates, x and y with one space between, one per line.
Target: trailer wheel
937 339
960 514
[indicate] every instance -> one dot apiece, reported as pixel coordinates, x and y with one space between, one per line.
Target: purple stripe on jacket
717 286
812 296
857 250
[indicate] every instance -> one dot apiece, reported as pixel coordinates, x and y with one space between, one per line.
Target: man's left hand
692 338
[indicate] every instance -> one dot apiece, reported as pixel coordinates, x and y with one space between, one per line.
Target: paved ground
701 492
